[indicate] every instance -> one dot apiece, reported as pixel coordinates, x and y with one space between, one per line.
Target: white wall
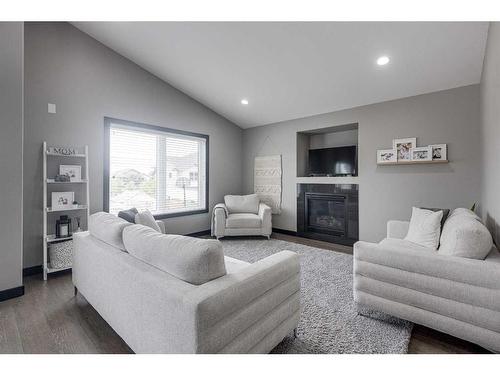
386 192
490 131
88 81
11 154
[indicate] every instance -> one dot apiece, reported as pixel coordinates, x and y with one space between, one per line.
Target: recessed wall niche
338 140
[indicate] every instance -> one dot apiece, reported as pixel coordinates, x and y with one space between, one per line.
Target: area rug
329 321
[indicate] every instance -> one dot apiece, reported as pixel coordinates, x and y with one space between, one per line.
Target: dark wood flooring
50 319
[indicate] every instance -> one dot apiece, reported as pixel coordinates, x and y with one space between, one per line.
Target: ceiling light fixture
244 101
383 60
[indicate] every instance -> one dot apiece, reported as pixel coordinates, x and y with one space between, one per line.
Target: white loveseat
241 215
176 294
452 294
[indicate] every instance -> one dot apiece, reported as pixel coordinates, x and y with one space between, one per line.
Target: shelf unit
52 161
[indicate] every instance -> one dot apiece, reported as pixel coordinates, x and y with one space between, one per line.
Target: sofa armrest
219 216
266 218
161 224
223 305
463 270
397 229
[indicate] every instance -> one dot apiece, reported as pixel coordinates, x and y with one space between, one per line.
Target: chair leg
295 333
76 290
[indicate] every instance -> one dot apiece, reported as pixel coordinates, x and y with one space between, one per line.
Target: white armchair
241 215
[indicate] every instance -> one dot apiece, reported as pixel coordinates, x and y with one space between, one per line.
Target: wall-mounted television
334 161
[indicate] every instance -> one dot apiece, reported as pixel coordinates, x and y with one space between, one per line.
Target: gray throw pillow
128 215
147 219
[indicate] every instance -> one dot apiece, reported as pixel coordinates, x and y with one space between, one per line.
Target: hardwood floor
50 319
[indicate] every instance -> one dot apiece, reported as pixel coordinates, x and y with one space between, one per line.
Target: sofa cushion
465 236
146 218
108 228
242 203
425 227
243 221
398 244
193 260
128 215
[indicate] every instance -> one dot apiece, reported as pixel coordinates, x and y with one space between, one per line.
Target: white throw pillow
242 204
425 227
108 228
465 236
146 218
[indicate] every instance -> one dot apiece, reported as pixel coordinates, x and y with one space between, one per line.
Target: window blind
162 171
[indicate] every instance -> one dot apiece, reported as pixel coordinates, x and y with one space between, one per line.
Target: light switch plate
51 108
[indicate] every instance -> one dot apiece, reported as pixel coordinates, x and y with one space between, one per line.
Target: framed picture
421 153
74 172
387 156
439 152
62 200
403 147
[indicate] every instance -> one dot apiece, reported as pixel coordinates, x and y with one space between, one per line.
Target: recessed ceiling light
244 101
383 60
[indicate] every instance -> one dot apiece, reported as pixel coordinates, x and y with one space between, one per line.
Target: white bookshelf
51 162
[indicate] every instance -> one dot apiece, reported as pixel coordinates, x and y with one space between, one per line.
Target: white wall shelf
51 161
415 162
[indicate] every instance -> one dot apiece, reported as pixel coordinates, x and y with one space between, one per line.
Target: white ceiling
293 70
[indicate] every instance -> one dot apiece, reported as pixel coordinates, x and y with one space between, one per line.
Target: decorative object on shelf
387 156
61 178
78 227
65 151
439 152
63 227
421 153
62 200
403 146
74 172
60 255
267 181
75 204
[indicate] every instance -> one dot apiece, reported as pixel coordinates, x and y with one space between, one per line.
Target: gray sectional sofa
452 294
176 294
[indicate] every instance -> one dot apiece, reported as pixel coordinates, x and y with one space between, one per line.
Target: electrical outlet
51 108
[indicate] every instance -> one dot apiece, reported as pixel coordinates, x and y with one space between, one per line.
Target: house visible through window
154 168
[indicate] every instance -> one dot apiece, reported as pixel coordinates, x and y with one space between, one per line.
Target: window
155 168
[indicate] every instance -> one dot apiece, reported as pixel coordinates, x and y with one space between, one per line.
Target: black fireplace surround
328 212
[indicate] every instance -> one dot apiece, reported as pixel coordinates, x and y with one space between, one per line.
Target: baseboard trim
199 234
11 293
35 270
285 231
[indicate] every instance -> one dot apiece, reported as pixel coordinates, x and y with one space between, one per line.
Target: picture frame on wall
439 152
388 156
421 153
62 200
74 172
403 147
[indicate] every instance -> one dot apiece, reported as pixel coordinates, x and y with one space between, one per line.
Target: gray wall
490 131
88 81
337 139
387 192
11 154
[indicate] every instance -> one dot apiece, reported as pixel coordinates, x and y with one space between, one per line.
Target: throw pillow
128 215
425 227
465 236
147 219
242 204
446 212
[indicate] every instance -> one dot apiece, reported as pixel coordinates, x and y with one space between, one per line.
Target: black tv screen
335 161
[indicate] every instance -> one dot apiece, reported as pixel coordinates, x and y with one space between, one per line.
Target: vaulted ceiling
290 70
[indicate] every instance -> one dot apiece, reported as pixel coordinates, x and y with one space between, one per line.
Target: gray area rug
329 321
